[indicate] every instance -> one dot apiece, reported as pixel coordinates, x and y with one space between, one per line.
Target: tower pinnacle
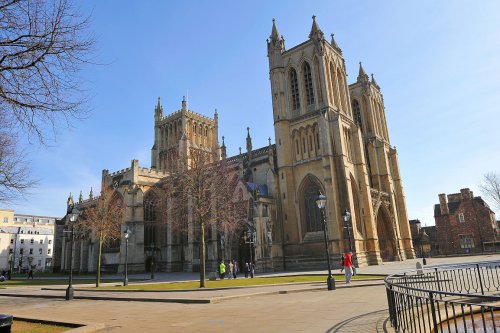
316 32
334 44
362 77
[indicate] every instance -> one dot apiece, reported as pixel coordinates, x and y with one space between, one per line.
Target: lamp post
69 291
126 235
321 202
424 244
152 265
250 236
346 216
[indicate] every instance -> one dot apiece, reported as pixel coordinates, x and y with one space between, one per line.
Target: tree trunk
98 277
202 256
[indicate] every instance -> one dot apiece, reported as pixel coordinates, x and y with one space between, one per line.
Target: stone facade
465 224
330 137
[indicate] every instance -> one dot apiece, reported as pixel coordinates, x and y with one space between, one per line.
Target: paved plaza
358 307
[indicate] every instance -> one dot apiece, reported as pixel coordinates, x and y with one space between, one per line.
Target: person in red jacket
347 266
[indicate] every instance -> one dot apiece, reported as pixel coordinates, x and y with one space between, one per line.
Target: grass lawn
239 282
27 327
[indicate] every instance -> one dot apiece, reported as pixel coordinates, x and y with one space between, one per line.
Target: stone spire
91 194
275 43
80 198
249 141
158 110
70 201
316 32
334 44
375 82
362 77
275 36
223 149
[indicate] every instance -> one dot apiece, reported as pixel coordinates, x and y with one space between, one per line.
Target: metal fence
455 298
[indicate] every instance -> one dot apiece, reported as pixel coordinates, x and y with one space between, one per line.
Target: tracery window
308 83
357 112
312 212
294 84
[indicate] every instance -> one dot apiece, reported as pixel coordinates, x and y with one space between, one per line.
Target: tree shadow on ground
376 321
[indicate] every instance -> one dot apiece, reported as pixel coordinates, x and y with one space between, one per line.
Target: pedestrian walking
347 266
30 274
252 269
247 269
235 269
222 270
231 268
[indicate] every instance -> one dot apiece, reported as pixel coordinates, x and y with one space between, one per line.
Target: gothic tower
180 132
320 148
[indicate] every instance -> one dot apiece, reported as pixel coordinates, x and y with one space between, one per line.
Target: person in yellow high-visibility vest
222 269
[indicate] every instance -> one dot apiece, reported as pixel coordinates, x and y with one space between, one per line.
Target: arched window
308 83
294 86
150 206
357 113
311 210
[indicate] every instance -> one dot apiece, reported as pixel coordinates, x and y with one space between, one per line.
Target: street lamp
347 216
151 253
127 235
250 236
321 202
69 291
424 245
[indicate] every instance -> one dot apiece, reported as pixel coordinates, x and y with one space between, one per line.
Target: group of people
231 269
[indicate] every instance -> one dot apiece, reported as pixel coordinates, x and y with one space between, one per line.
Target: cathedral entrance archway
246 250
385 236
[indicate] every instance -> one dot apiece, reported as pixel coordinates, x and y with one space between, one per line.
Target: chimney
466 194
443 204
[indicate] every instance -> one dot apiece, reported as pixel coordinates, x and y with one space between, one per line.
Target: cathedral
330 137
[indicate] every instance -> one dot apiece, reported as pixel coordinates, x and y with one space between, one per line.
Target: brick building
465 224
416 233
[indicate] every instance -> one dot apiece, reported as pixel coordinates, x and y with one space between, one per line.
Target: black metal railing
454 298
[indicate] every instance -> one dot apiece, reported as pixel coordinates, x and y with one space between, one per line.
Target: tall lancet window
308 83
294 84
357 113
312 213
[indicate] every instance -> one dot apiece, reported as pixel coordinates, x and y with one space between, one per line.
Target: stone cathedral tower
332 138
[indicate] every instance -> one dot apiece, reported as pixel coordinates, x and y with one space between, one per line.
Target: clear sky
437 63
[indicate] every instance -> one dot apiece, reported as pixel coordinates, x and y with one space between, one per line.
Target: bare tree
14 174
202 189
43 46
102 221
490 187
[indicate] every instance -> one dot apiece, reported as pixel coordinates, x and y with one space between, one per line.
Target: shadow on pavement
364 323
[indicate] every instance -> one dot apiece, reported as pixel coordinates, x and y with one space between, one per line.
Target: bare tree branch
103 221
43 46
490 187
203 189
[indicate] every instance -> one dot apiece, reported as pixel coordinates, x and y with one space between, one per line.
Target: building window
12 241
11 251
357 112
294 85
21 251
32 241
22 241
5 220
466 241
311 210
461 217
40 251
39 263
31 251
48 251
41 241
50 241
308 83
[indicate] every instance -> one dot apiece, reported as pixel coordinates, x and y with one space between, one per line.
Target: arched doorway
385 235
246 250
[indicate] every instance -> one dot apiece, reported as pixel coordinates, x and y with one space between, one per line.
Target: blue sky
436 62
